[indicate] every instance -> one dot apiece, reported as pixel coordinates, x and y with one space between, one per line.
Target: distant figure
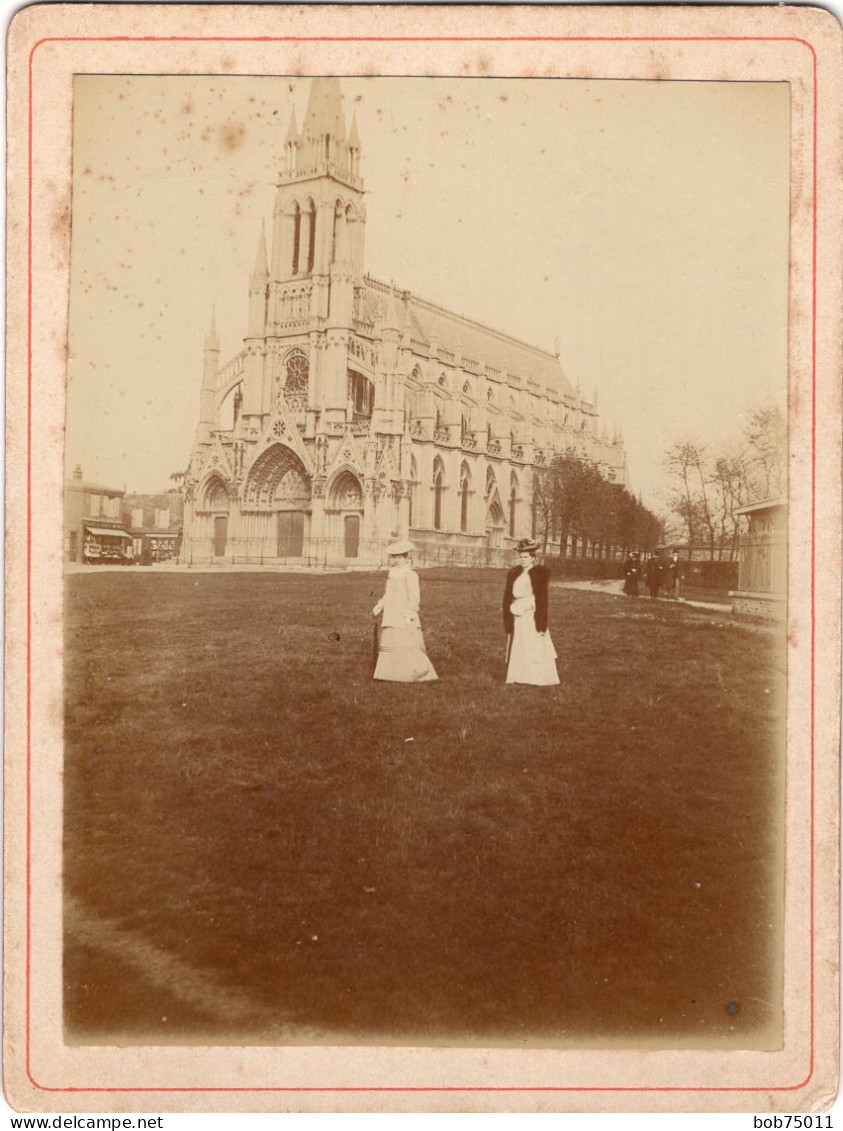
674 575
655 574
631 574
531 657
401 653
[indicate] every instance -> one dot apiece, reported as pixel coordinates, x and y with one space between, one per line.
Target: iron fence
338 554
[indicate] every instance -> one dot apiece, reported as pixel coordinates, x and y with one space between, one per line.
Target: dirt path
192 999
614 587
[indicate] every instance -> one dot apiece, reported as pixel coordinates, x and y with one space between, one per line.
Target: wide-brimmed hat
399 548
527 546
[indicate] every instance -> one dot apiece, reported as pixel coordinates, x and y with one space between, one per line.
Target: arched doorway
215 503
351 528
344 509
220 535
276 505
495 519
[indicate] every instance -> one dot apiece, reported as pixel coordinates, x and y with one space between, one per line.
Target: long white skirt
532 657
402 658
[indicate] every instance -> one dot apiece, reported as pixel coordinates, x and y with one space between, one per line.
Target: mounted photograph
426 544
467 861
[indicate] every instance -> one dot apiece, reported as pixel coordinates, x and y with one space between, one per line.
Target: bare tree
766 437
708 487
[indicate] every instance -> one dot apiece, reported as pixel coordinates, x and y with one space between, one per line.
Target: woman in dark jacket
531 657
631 575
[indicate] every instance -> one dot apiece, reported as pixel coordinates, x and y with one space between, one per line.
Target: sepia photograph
322 328
424 564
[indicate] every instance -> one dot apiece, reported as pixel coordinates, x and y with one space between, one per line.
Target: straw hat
398 549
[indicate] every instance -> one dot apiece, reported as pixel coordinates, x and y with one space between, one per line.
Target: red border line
416 39
815 187
423 39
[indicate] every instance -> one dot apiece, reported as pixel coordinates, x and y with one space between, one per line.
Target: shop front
106 546
160 547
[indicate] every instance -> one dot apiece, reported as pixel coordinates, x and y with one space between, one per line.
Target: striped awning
107 532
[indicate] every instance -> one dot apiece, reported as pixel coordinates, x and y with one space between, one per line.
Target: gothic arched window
311 236
298 372
338 215
361 395
438 491
465 483
513 504
413 479
296 239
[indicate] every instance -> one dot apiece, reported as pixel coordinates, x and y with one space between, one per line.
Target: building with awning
107 532
155 525
94 530
103 544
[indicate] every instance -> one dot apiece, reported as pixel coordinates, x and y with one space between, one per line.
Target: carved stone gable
347 455
217 460
281 428
387 468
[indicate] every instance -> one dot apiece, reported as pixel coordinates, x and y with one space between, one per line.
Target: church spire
260 271
292 142
322 142
324 117
354 146
257 290
322 147
212 341
210 365
292 129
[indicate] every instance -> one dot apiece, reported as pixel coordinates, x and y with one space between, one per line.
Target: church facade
356 412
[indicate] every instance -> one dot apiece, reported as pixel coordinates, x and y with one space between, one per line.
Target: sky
639 228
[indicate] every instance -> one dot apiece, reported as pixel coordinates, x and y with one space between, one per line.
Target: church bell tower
317 249
316 260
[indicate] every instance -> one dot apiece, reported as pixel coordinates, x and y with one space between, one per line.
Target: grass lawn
260 840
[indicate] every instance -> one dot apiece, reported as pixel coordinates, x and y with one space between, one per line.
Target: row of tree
573 501
707 485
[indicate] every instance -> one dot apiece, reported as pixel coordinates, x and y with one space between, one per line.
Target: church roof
464 337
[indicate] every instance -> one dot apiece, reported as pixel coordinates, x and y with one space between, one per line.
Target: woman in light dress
401 654
531 657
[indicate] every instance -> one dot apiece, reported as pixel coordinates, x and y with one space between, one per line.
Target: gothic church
356 412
